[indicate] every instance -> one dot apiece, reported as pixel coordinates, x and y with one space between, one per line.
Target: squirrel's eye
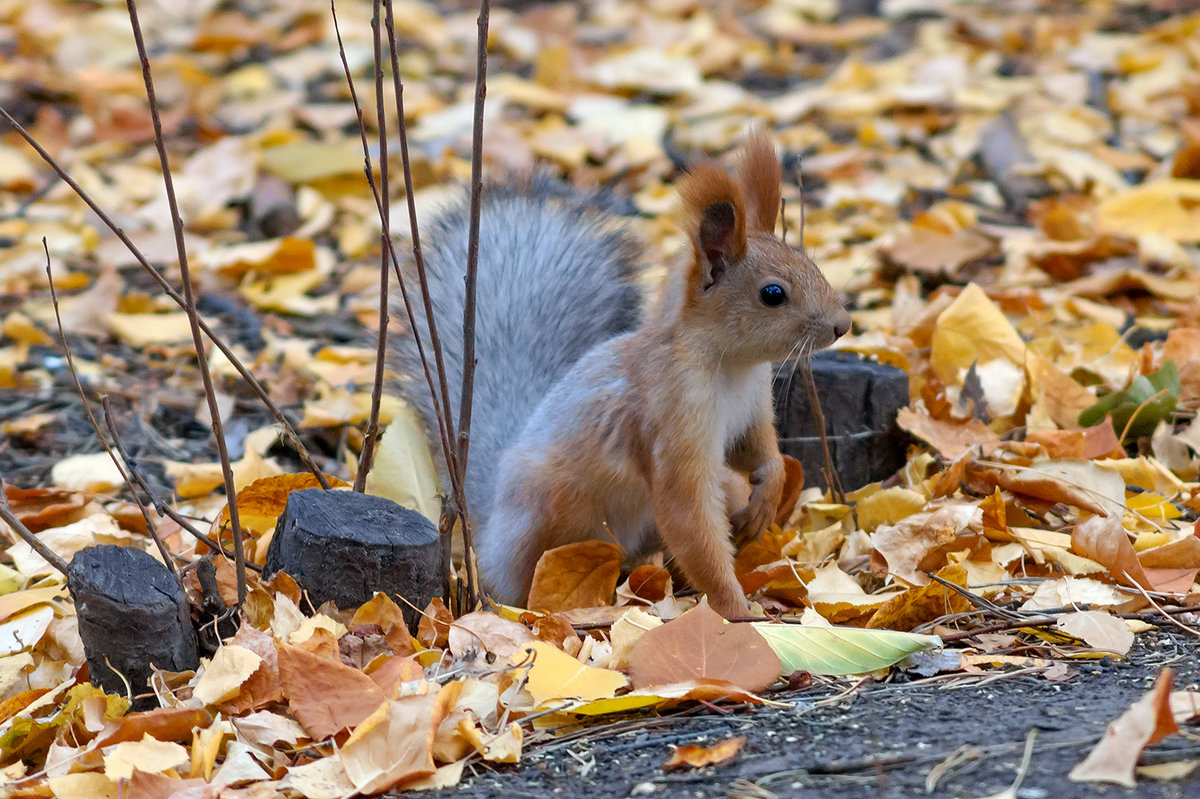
772 295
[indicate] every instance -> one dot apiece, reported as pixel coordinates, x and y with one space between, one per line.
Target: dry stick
814 402
468 375
26 535
449 450
441 410
210 393
287 430
367 456
161 507
87 408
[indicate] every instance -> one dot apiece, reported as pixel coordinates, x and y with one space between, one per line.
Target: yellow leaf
143 329
556 675
147 755
404 471
231 666
1169 208
972 329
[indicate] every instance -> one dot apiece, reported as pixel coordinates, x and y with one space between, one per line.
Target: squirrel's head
771 298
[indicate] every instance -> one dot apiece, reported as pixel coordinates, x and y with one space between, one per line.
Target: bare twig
435 343
161 507
367 456
210 393
468 375
167 557
26 535
832 479
288 431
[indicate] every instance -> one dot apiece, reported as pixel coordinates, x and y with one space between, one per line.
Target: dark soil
879 741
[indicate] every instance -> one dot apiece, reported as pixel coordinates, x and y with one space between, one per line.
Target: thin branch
468 366
442 410
288 431
26 535
162 508
367 456
167 557
210 393
832 479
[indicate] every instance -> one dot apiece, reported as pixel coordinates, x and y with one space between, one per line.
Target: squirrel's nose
841 323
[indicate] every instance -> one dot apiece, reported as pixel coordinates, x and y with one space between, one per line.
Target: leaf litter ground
1007 195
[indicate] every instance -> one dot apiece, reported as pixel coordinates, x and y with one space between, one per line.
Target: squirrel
593 420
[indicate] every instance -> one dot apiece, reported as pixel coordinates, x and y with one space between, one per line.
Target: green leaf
840 651
1154 394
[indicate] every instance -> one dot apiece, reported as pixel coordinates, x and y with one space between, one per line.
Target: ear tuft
759 174
716 211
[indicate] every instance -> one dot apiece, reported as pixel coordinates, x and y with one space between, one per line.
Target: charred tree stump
343 546
133 617
860 399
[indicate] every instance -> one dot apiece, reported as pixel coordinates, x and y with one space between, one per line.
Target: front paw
749 522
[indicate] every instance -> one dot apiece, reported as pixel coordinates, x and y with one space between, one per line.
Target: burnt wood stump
342 546
133 617
860 399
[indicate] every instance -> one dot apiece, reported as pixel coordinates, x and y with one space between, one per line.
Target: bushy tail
555 277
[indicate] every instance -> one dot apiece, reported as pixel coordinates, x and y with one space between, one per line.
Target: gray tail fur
555 277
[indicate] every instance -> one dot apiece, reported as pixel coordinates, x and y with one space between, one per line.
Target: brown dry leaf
1057 398
486 632
275 257
905 544
433 628
325 695
1181 554
647 583
1098 629
1082 484
699 756
939 252
919 605
381 610
579 575
394 744
952 439
1147 720
1104 540
701 645
162 724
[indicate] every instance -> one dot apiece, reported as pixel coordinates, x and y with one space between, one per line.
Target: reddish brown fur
693 419
760 175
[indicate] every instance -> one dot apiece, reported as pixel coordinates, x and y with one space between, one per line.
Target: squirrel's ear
716 212
760 176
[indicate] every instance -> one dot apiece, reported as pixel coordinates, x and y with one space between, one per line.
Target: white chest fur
737 401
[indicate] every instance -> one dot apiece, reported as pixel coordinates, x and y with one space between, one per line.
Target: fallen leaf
555 675
700 644
1098 629
698 756
578 575
1147 720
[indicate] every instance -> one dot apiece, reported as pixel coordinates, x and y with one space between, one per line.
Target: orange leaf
1104 540
381 610
1115 757
651 583
163 724
919 605
579 575
698 756
951 439
434 624
326 696
700 644
793 484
